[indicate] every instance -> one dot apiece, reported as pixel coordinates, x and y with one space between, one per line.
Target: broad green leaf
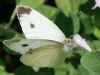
6 34
60 72
65 6
87 23
2 65
61 69
64 23
3 68
70 7
44 56
96 45
97 18
80 51
31 3
5 73
65 69
48 11
82 1
71 69
97 32
82 71
76 23
91 62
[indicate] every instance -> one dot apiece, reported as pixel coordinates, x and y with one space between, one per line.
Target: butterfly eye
32 25
24 45
68 41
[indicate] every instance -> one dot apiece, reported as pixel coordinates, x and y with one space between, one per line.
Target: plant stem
11 19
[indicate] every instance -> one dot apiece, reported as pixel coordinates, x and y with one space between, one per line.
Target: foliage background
72 16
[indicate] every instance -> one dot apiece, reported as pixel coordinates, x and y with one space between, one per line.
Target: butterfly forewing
37 26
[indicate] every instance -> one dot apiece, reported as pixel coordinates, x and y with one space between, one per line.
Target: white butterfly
37 27
97 4
40 31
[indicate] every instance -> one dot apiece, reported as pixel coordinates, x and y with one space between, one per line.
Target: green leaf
82 71
6 34
87 23
64 23
65 69
83 1
97 18
97 32
5 73
76 23
48 11
60 71
2 65
31 3
91 62
70 7
95 45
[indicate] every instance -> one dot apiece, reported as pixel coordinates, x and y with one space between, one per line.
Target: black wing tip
21 9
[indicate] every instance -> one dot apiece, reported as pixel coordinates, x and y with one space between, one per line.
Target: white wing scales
37 26
24 45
